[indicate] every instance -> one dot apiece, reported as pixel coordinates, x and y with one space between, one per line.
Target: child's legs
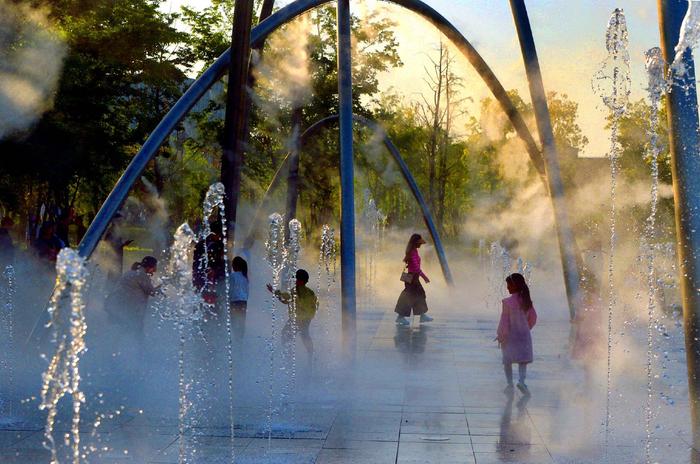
522 372
508 369
238 313
306 336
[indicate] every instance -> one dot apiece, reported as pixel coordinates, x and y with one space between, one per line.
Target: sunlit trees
119 78
127 64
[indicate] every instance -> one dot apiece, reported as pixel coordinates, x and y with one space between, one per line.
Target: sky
570 40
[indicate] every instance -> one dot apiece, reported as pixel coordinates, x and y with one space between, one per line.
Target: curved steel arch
403 167
259 33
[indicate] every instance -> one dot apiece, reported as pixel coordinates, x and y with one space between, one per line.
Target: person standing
238 295
128 303
48 245
413 297
303 304
126 308
518 317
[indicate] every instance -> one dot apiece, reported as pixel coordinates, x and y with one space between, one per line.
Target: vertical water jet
62 376
291 264
8 321
612 82
657 86
274 247
214 200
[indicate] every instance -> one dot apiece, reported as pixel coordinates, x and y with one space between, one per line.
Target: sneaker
523 388
402 321
509 389
425 318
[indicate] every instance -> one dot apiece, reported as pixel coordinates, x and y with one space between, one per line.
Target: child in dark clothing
302 303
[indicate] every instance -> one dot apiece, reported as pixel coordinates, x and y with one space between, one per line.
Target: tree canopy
127 62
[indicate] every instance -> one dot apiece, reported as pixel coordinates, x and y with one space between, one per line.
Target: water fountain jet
62 376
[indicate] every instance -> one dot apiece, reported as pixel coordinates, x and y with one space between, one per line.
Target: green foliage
636 160
210 33
471 171
119 78
271 120
127 64
635 142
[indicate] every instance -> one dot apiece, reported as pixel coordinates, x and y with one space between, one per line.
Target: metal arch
121 190
278 177
405 171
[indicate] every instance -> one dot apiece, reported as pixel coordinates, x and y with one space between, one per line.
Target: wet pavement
431 393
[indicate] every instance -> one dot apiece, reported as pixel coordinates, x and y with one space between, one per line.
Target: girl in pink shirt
412 297
518 317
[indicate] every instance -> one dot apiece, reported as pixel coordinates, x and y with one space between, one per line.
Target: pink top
414 263
514 331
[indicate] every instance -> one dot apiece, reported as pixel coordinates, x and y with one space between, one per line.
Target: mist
31 57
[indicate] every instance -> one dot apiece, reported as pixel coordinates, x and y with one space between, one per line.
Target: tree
376 50
470 168
438 113
635 162
120 76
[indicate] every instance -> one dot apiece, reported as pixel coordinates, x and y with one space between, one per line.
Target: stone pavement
428 393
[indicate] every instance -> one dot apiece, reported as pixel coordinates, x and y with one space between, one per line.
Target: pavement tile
434 438
419 395
359 452
447 453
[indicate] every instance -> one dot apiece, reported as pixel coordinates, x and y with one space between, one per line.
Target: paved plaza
420 394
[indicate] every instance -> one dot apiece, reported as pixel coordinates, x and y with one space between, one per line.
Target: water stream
8 321
214 202
291 264
181 304
373 221
62 376
612 83
656 89
274 247
327 274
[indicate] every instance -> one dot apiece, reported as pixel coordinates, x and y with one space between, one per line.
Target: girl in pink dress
518 317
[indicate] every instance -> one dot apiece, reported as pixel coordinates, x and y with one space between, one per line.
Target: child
303 300
238 295
518 317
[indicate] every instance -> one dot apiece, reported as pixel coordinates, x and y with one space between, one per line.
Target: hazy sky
569 34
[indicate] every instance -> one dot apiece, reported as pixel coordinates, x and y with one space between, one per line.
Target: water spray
62 376
612 82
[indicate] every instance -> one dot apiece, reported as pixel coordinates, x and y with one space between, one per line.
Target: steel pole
265 12
685 169
233 138
565 234
347 181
